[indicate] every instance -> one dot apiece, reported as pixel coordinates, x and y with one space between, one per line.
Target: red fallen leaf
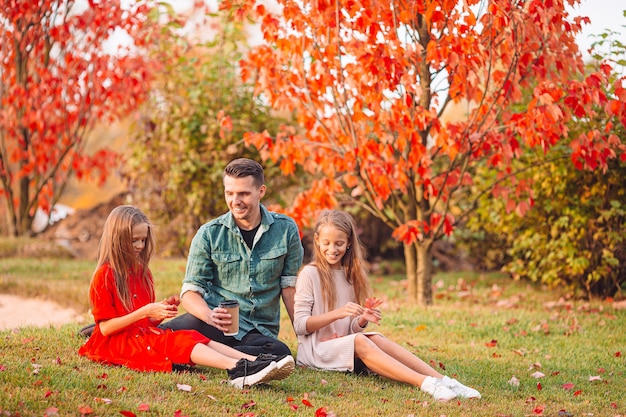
372 302
249 404
601 370
577 393
51 412
307 403
567 386
48 393
618 354
530 400
126 413
293 406
178 413
202 377
58 361
2 368
539 387
143 407
555 373
442 366
614 405
538 411
103 376
321 412
496 355
289 399
101 386
493 343
85 409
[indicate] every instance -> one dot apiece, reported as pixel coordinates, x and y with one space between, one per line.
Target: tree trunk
419 266
410 262
424 273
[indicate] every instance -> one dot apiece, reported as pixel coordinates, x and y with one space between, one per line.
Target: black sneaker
285 365
87 330
247 373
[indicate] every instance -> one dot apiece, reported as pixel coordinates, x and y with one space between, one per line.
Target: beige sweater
331 347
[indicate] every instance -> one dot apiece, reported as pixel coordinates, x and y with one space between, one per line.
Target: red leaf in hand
372 302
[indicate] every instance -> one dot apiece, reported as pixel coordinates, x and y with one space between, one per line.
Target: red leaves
493 343
372 302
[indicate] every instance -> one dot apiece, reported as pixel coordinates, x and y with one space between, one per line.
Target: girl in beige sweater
332 311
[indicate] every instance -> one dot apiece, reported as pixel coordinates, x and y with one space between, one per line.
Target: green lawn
486 330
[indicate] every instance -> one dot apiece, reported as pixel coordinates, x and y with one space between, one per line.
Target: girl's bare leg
404 356
384 364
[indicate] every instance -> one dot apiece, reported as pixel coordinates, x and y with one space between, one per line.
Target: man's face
243 197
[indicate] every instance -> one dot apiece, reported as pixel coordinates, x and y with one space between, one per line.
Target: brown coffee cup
233 308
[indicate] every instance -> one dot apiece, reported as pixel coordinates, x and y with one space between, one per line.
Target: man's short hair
244 167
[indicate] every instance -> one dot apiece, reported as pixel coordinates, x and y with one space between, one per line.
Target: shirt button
148 347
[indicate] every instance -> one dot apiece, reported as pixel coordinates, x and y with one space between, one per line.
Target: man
248 254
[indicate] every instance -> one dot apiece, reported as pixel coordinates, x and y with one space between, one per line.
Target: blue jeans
253 343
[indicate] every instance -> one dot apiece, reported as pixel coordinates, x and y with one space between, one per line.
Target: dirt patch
20 312
80 233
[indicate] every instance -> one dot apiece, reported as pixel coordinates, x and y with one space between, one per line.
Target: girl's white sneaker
460 389
436 388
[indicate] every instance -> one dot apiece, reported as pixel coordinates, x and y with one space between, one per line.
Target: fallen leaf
249 404
538 411
514 381
126 413
595 378
307 403
321 412
493 343
567 386
85 409
184 387
530 400
563 413
577 393
143 407
618 354
539 387
51 412
103 400
537 374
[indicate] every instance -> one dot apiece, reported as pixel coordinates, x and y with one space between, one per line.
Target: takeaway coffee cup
233 308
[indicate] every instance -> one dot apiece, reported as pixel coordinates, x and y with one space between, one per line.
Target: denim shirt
220 266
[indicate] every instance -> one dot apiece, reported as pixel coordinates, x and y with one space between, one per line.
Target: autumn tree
397 102
192 126
62 72
573 238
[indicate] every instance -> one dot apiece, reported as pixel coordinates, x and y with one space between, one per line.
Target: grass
483 329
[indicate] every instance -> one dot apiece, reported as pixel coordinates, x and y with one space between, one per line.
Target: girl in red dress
127 316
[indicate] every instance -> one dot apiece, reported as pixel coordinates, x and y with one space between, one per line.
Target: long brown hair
116 249
353 260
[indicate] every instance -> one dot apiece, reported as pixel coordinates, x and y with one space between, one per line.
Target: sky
603 14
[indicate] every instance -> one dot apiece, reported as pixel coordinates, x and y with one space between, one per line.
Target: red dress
142 345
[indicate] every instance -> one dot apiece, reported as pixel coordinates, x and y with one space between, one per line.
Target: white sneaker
434 386
460 389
